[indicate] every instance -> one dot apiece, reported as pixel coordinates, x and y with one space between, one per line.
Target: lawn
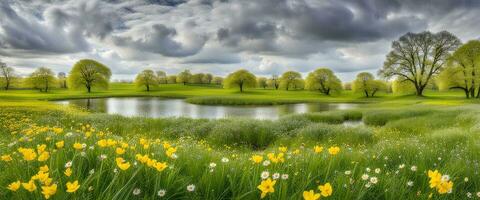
405 139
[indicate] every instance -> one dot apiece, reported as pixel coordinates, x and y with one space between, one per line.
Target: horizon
219 36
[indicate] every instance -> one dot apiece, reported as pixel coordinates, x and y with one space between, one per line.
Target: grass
403 138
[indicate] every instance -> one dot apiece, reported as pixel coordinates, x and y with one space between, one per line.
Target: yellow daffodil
325 190
310 195
160 166
30 186
445 187
282 149
49 191
60 144
170 151
435 178
14 186
119 151
68 172
28 154
72 187
317 149
77 146
102 143
41 148
122 164
43 156
334 150
266 186
276 158
44 168
7 158
257 159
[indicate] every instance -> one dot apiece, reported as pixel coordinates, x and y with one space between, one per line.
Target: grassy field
405 139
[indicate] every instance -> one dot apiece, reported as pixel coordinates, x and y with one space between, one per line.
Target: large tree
417 57
241 78
366 84
323 80
146 78
162 77
184 77
207 78
42 78
62 79
262 82
7 75
172 79
463 70
274 82
89 73
217 80
290 79
196 78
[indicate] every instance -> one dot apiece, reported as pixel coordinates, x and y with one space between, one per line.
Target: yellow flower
119 151
166 145
276 159
60 144
317 149
72 187
170 151
49 191
43 156
257 158
41 148
44 168
28 154
445 187
122 164
143 159
297 151
14 186
282 149
267 186
68 172
57 130
435 178
310 195
111 142
102 143
30 186
7 158
326 190
160 166
77 146
334 150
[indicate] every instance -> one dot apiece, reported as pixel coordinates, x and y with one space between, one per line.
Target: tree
323 80
290 79
207 78
347 86
162 77
43 78
146 78
463 70
184 77
196 78
416 57
172 79
274 82
7 75
89 73
241 78
402 87
366 84
62 79
262 82
218 80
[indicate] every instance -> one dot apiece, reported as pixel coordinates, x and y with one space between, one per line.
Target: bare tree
417 57
7 74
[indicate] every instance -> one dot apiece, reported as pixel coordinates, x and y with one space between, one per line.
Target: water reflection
158 107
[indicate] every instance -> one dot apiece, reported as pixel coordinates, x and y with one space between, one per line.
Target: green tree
417 57
7 75
89 73
323 80
172 79
62 79
196 78
463 70
241 78
274 82
262 82
366 84
290 79
184 77
207 78
146 78
217 80
42 78
162 77
402 87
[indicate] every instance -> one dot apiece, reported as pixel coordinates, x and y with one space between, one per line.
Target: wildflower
401 166
365 177
374 180
160 166
334 150
28 154
225 160
49 191
348 172
41 148
92 171
276 158
264 174
68 164
469 195
170 151
266 186
119 151
68 172
478 194
30 186
282 149
136 191
44 168
77 146
378 170
276 176
410 183
435 178
257 159
284 176
102 143
266 163
14 186
122 164
72 187
317 149
191 188
60 144
310 195
413 168
7 158
445 187
465 179
103 157
43 156
326 189
161 193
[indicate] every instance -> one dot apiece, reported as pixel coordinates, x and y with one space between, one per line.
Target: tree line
415 62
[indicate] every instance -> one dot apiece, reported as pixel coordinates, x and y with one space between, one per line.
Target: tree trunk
419 91
88 89
241 87
366 93
148 88
7 86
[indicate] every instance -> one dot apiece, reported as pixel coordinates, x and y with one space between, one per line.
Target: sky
220 36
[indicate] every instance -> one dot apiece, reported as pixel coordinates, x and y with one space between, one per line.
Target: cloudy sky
220 36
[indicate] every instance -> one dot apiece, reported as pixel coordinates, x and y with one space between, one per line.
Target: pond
159 107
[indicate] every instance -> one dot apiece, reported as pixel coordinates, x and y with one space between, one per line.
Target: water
160 107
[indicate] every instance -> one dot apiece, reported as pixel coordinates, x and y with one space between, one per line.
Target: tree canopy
62 79
366 84
241 78
274 82
162 77
184 77
463 70
89 73
146 78
417 57
290 79
42 78
323 80
262 82
7 75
